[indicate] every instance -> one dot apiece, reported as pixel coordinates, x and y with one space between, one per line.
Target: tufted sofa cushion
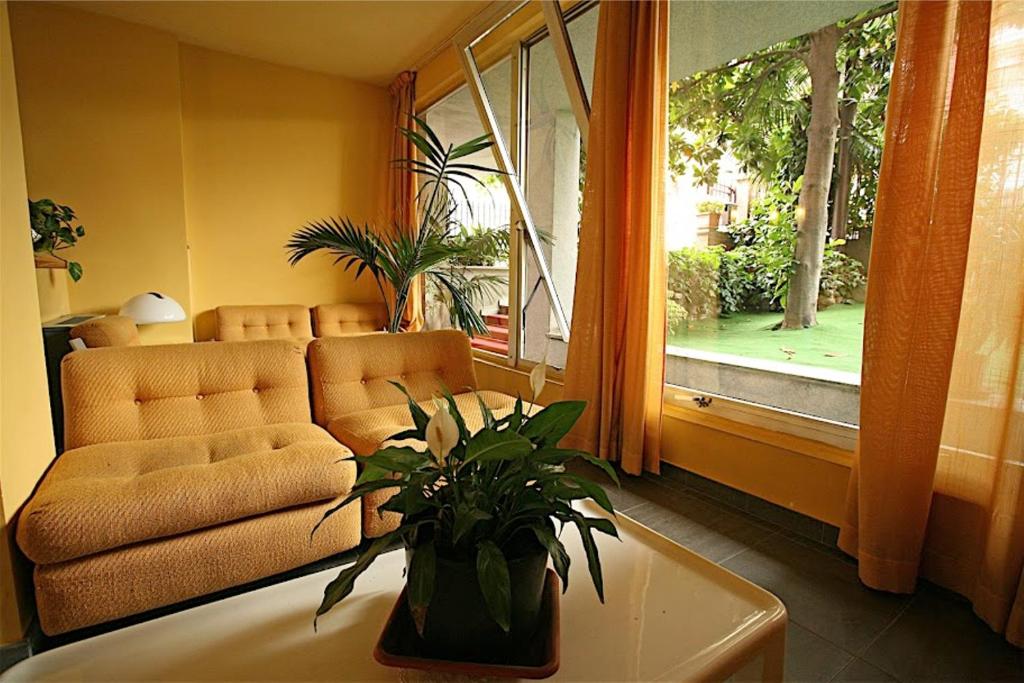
351 374
109 495
252 323
110 330
367 430
134 393
339 320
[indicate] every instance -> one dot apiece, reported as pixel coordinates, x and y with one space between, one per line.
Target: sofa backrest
339 320
250 323
350 374
132 393
110 330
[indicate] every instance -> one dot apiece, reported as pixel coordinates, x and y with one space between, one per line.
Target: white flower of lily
442 434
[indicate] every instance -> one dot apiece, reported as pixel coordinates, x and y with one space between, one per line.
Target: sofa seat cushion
109 495
367 430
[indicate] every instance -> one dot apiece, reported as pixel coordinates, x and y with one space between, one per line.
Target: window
745 322
523 101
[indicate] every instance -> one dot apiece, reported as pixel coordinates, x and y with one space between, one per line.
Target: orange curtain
937 489
616 359
401 196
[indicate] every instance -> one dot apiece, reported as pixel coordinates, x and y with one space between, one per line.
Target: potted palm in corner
481 515
397 257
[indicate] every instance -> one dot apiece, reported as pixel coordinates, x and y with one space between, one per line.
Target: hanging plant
53 229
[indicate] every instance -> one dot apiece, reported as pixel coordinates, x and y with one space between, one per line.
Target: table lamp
151 308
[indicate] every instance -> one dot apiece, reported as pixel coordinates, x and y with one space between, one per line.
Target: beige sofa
340 320
355 401
189 468
252 323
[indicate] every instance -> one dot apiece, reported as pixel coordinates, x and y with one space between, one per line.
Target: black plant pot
458 625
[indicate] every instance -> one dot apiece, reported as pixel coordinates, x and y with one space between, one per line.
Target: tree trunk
844 176
812 211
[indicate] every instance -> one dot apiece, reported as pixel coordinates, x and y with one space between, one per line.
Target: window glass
555 164
482 215
759 311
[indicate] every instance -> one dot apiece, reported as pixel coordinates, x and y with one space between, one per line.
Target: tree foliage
758 107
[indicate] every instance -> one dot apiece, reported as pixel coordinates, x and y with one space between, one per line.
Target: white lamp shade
153 307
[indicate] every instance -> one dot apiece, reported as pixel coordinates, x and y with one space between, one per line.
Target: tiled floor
839 630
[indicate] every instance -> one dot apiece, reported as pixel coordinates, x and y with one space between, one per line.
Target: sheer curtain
616 358
937 490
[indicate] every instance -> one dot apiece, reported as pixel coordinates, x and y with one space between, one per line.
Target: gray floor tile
859 671
810 657
711 531
940 638
787 519
820 592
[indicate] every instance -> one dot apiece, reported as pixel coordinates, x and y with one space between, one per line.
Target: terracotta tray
399 645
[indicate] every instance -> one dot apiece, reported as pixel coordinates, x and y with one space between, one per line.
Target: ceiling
365 40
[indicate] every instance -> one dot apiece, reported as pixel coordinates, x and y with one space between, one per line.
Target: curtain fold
616 359
401 188
937 484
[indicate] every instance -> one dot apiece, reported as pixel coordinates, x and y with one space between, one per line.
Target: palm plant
401 255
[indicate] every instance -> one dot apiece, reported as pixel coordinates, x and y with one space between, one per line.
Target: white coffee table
669 615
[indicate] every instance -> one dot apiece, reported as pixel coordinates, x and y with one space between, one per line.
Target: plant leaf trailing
53 229
397 257
497 493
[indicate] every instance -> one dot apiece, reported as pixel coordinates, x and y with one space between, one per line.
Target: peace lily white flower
539 375
442 433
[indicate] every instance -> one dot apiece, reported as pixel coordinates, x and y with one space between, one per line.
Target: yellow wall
26 437
101 115
268 148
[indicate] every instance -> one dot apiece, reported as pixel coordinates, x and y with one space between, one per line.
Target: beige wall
26 438
268 148
100 105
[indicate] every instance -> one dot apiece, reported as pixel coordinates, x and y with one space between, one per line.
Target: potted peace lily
481 514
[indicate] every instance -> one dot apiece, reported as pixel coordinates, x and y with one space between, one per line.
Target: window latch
702 401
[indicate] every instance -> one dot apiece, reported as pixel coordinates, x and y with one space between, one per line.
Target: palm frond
461 312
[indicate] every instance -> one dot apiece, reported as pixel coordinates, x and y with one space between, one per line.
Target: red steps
496 339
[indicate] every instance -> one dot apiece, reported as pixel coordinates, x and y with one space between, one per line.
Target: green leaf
75 270
485 413
590 547
342 585
358 492
419 416
403 459
488 445
549 425
421 582
466 517
495 585
559 557
593 490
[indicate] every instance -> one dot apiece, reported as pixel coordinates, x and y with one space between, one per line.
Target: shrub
840 274
693 283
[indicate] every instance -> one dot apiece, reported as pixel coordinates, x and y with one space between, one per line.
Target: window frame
783 427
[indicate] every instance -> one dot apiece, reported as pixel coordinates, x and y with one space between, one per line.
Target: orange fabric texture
350 374
339 320
937 487
616 358
110 495
143 576
133 393
252 323
402 184
110 330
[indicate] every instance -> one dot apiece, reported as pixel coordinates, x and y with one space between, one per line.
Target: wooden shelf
45 260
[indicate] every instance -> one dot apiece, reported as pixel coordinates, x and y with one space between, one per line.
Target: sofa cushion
110 495
252 323
352 374
339 320
366 431
132 393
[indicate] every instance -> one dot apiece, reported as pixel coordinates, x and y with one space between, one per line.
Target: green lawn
835 343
